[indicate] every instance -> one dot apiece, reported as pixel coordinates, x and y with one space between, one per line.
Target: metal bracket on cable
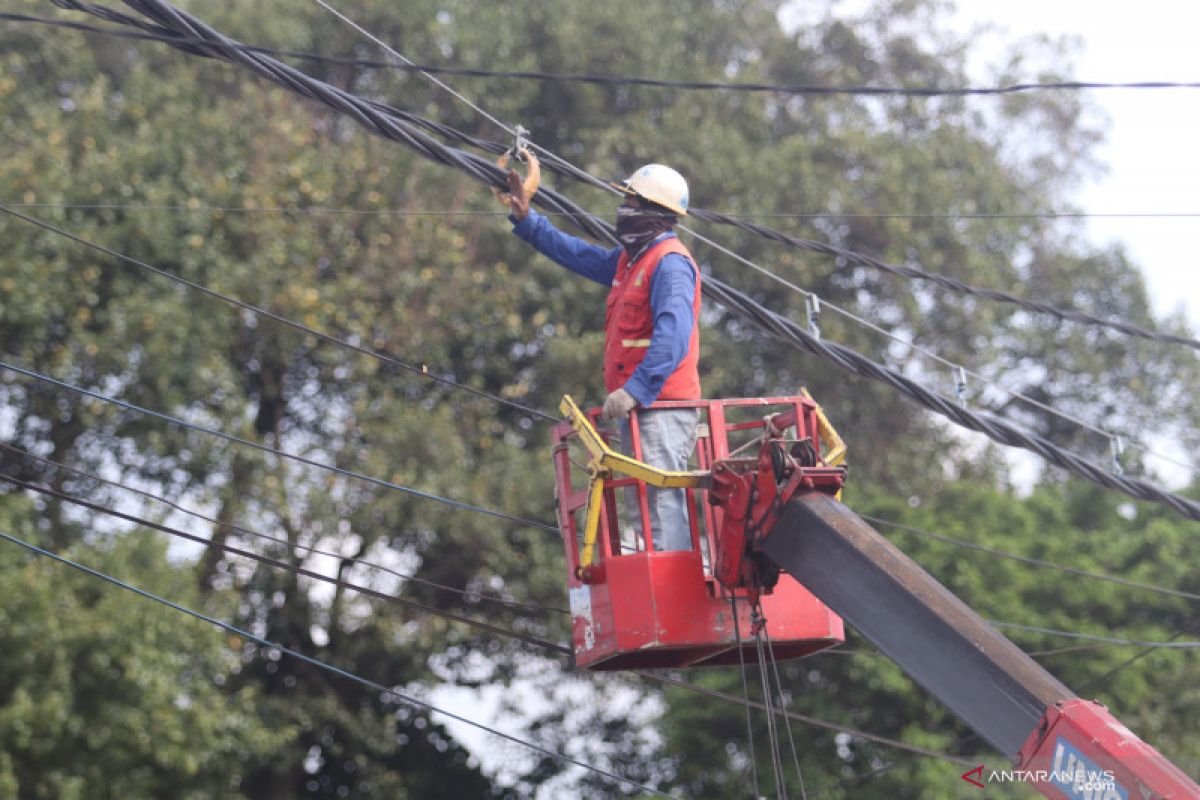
1117 447
812 304
960 386
520 141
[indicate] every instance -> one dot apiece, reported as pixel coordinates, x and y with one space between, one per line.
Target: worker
651 324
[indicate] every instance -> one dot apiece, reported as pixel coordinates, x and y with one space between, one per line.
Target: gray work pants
668 437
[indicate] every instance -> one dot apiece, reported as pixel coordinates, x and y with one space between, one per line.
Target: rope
281 453
328 667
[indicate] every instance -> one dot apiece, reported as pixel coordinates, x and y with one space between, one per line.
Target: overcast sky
1153 148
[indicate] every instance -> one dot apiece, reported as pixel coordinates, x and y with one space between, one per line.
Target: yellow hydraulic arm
604 462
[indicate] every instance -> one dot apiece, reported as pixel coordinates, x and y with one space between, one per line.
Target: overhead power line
544 416
1169 645
293 568
378 687
387 121
292 546
465 212
540 643
379 119
1035 562
277 452
389 360
627 80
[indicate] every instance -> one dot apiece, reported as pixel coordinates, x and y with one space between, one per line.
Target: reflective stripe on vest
629 323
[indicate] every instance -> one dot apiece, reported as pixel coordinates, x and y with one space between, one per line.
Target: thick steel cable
944 281
193 36
737 638
997 429
293 546
372 117
631 80
328 667
806 244
931 355
488 627
818 723
784 704
424 372
258 311
772 722
563 167
275 451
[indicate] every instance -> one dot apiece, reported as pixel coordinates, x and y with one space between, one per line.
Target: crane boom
1064 746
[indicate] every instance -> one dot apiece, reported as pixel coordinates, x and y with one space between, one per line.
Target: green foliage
188 165
108 696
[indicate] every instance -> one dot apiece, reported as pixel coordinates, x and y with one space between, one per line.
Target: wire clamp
520 142
812 305
960 386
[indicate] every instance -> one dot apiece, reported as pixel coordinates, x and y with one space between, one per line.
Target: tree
153 152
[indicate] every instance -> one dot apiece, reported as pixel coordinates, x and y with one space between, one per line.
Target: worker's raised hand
518 201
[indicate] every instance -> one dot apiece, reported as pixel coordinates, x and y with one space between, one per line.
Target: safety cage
633 606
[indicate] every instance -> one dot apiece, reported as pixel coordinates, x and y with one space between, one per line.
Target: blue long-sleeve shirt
672 294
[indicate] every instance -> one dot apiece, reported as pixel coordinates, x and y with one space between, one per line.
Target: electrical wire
544 644
384 358
374 118
954 367
541 643
423 370
1167 645
274 451
328 667
401 212
293 546
1036 562
818 723
622 80
384 120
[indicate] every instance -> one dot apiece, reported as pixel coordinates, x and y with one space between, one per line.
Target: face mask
638 227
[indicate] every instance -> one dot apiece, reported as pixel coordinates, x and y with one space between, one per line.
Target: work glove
618 405
518 202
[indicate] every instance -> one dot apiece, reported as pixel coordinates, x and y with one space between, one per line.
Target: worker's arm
672 295
583 258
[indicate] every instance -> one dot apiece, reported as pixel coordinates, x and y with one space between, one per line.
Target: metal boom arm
1065 746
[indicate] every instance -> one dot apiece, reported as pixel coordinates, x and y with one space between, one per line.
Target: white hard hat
658 184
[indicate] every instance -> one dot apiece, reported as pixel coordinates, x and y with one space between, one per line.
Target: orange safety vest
629 324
